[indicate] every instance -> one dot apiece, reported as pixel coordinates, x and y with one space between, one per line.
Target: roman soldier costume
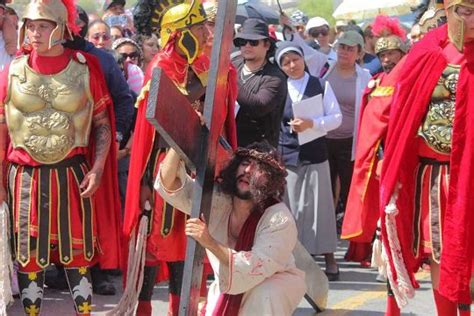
49 104
362 208
166 240
428 153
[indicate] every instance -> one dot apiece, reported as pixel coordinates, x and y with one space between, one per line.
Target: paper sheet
308 109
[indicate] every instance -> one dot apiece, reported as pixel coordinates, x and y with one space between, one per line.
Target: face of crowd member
150 48
99 35
129 53
348 55
210 29
115 33
467 14
116 9
253 50
321 33
292 65
415 34
389 59
38 33
14 18
201 33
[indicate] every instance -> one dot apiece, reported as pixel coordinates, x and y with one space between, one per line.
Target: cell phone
116 20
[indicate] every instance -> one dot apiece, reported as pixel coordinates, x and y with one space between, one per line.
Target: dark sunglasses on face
133 55
316 33
97 37
239 42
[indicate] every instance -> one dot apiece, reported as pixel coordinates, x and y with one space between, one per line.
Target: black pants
340 165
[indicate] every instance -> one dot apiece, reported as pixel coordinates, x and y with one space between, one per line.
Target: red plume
71 16
385 26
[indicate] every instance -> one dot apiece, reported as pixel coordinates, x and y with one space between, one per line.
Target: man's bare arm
169 171
103 138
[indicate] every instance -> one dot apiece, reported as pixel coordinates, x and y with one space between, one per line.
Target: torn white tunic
267 275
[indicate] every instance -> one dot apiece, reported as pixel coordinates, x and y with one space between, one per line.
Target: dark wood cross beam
177 123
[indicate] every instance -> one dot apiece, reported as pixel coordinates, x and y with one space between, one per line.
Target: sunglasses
104 37
316 33
239 42
133 55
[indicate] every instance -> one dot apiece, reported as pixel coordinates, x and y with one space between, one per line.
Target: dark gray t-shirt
345 91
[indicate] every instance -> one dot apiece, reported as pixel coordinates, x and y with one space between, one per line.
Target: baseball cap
351 38
316 22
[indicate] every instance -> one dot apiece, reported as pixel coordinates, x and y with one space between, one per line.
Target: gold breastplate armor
437 126
48 115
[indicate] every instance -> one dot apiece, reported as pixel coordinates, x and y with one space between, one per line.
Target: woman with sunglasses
99 34
130 54
318 30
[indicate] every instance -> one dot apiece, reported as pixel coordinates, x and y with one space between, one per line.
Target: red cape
424 66
175 67
107 197
362 208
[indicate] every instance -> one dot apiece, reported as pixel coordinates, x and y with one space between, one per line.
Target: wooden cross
170 112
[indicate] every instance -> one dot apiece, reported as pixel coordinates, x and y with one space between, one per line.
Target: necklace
246 74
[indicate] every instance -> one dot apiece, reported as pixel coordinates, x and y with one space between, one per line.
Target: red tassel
392 306
444 306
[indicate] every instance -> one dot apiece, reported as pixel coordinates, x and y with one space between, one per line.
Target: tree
322 8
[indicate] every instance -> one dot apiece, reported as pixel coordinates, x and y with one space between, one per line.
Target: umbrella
255 9
367 9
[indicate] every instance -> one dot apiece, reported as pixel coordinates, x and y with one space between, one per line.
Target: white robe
267 275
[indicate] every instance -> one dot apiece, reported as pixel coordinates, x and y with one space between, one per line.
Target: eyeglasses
239 42
133 55
316 33
104 37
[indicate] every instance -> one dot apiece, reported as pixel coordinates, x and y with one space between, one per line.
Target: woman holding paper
311 110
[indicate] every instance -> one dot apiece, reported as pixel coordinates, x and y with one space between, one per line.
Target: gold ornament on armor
437 127
49 115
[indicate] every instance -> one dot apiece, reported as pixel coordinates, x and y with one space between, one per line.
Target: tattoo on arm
3 142
103 138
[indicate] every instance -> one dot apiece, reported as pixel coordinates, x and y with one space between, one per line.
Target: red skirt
49 212
432 182
167 240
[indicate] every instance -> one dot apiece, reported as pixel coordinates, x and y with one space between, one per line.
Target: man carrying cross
250 236
183 36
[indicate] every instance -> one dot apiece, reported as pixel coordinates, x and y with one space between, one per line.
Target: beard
243 195
388 67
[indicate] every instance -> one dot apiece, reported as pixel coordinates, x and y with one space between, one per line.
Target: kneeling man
250 235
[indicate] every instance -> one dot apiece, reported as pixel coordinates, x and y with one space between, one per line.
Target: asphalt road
356 293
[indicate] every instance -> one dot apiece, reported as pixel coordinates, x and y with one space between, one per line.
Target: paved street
356 294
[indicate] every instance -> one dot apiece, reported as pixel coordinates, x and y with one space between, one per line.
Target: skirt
49 212
432 183
309 196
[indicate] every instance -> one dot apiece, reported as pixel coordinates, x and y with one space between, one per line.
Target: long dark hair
263 194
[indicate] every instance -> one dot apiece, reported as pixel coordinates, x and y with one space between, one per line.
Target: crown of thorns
264 157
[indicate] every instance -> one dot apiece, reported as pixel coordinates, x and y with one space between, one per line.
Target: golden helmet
57 11
180 18
456 26
389 33
390 42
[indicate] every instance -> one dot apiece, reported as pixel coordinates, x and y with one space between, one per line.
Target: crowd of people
337 131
